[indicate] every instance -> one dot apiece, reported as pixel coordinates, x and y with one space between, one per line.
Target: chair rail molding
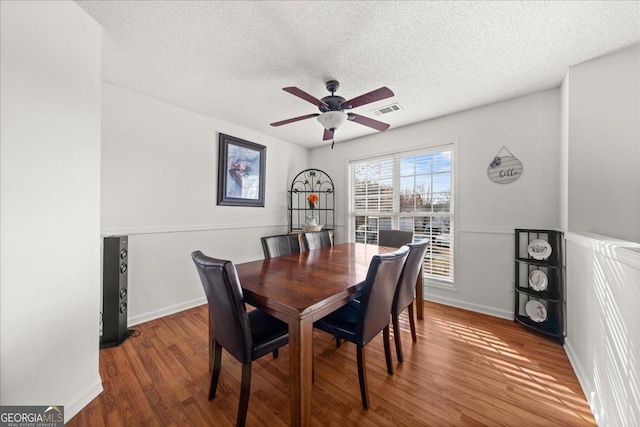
487 230
187 228
619 250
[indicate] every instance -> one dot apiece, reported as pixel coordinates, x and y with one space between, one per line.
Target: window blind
410 191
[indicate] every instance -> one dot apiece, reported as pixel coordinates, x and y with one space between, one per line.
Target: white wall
603 332
485 212
564 154
601 119
50 214
159 183
604 146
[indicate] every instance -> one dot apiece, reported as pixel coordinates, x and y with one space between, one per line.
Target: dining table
302 288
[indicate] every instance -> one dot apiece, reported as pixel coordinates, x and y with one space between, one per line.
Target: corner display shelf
539 282
311 181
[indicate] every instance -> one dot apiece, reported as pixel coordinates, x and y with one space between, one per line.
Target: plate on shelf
539 249
538 280
536 311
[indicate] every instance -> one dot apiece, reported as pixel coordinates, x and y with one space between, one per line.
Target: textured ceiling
230 60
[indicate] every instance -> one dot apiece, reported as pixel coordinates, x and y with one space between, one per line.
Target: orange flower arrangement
312 199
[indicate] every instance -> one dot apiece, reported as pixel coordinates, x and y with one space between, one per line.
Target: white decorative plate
536 311
538 280
539 249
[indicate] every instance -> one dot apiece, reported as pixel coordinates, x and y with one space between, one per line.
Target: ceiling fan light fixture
331 120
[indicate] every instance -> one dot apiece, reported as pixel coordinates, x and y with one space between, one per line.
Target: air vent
386 109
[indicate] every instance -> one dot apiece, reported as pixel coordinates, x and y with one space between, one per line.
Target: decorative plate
539 249
536 311
538 280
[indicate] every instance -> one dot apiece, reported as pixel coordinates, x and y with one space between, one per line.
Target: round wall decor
504 168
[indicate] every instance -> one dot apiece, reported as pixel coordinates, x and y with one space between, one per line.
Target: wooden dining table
302 288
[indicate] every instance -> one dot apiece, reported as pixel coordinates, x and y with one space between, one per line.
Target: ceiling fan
332 107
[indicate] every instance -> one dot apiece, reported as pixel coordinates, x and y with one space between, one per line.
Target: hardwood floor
466 369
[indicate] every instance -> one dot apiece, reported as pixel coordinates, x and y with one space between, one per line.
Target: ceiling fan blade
328 134
295 119
304 95
373 96
369 122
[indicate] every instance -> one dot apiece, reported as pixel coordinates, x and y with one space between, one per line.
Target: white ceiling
231 59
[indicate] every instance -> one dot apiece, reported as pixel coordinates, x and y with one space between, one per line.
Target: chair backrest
317 240
284 244
407 284
394 238
378 292
231 327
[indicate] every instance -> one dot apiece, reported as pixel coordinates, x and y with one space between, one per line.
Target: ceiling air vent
386 109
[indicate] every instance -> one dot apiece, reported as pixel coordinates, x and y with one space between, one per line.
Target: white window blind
410 191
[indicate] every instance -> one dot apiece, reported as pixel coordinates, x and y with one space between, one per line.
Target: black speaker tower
114 291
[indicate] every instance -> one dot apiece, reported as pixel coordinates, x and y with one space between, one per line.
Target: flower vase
311 219
311 222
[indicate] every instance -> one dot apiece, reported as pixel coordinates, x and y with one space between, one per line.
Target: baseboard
583 379
152 315
72 409
491 311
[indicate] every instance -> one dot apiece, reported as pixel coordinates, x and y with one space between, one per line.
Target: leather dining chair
394 238
317 239
245 335
405 292
362 320
284 244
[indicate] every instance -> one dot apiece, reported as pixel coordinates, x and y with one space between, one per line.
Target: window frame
396 214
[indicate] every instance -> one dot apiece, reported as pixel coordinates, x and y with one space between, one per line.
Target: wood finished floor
466 369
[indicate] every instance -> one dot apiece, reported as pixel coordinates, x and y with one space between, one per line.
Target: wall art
504 168
241 172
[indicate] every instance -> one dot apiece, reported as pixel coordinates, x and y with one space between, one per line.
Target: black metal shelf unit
307 182
539 281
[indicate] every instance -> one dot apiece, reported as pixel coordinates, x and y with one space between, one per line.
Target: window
410 191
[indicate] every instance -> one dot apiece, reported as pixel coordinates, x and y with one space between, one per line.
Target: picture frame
241 172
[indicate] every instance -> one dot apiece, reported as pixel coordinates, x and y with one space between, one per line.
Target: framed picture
241 172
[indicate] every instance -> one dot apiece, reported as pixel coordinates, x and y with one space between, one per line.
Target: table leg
420 296
300 371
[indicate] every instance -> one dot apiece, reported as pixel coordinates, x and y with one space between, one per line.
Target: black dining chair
394 238
405 292
245 335
317 239
284 244
362 320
